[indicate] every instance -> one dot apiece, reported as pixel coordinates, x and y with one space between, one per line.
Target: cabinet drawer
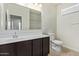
7 50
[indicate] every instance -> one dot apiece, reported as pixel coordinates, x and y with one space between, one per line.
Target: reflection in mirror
15 22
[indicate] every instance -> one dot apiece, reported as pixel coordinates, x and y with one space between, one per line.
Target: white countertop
21 38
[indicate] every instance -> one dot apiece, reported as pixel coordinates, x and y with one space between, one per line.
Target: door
37 47
7 50
24 48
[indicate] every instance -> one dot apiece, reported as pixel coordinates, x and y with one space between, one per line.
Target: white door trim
70 10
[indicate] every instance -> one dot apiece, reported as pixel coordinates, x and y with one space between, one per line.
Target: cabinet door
24 48
7 50
45 46
37 47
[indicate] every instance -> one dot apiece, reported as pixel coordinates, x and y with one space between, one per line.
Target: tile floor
64 52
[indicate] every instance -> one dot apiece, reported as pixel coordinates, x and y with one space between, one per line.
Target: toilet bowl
54 40
55 44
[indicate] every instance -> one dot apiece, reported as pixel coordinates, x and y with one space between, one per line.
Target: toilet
55 44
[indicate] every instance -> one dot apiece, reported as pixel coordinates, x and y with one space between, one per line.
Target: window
35 19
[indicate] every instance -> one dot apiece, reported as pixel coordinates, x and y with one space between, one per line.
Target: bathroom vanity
31 47
16 39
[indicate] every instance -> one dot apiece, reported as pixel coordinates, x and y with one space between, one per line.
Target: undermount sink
5 39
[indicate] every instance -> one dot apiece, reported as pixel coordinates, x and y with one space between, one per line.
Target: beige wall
49 16
67 30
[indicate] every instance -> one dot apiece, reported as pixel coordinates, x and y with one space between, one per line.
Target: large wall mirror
16 17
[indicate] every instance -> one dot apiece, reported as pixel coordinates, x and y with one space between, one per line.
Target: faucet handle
15 36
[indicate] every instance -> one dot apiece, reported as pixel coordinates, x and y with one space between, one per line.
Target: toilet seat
57 42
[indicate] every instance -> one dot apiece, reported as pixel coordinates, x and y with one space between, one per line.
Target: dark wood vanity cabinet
41 47
24 48
46 45
7 50
35 47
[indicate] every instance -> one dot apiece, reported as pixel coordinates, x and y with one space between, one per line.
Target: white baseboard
77 50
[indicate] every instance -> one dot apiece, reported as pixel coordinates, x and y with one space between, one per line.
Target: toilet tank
52 36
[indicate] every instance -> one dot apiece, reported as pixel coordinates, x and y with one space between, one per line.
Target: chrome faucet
15 36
